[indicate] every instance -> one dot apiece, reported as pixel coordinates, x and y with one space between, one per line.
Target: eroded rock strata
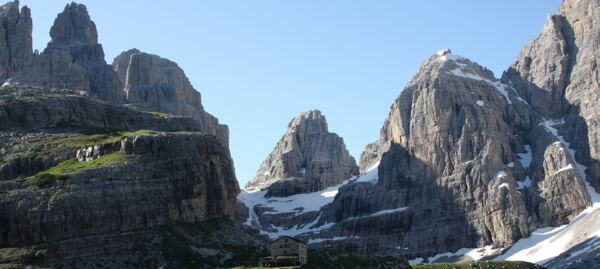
306 159
449 158
90 178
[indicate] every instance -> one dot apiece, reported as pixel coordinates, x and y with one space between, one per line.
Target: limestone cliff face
75 60
456 168
142 192
308 158
557 73
157 84
90 178
443 158
151 171
15 39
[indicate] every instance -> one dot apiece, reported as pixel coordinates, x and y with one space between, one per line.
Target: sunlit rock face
306 159
152 83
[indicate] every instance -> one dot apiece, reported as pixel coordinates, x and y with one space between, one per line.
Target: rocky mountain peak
73 27
446 63
10 7
15 39
578 7
307 158
309 122
121 63
444 81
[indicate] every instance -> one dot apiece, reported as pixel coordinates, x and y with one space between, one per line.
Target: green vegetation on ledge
163 115
72 166
94 138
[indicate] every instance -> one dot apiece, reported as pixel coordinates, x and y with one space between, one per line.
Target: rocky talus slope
306 159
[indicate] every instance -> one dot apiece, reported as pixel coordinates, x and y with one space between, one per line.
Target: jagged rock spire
73 27
15 39
307 158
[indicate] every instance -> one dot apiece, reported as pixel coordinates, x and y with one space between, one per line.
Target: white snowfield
296 204
300 204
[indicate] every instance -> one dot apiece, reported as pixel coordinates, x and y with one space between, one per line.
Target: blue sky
259 63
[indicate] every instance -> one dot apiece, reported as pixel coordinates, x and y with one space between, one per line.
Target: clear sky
259 63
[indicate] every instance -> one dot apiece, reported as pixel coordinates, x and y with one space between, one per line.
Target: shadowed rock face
449 171
73 27
557 73
308 158
163 171
156 84
443 156
15 39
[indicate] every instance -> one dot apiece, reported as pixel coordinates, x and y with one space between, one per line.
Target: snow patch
549 126
475 254
388 211
381 213
502 88
446 55
566 168
337 238
511 165
525 184
297 229
504 185
416 261
9 82
371 175
501 174
527 157
480 103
